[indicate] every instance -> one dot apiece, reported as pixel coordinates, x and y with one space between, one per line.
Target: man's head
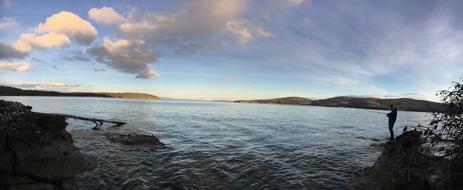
391 106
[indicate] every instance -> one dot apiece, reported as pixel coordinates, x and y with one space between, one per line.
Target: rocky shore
404 165
36 152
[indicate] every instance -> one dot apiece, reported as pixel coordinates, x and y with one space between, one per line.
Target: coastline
37 152
125 140
360 103
10 91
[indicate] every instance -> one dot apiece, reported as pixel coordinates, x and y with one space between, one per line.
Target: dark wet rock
403 165
134 139
375 139
36 152
377 145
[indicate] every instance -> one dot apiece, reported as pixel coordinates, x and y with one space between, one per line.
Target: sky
233 49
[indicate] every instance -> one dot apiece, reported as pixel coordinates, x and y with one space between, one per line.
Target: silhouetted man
392 117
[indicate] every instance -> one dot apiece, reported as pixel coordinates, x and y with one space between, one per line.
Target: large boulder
404 165
35 149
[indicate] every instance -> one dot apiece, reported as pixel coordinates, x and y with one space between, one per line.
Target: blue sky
233 49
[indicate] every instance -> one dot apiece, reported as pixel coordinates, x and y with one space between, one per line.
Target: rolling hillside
10 91
286 100
404 104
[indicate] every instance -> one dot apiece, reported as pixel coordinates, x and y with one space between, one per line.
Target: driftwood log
98 122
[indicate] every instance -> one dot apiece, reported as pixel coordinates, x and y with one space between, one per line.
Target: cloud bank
16 66
57 31
199 24
8 52
127 56
136 38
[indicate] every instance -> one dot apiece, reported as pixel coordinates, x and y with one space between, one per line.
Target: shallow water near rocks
222 145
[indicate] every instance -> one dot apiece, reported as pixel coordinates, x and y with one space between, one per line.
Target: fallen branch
98 122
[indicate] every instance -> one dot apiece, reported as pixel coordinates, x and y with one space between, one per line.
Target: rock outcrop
403 165
134 139
36 152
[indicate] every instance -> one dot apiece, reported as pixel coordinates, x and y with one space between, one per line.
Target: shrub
445 131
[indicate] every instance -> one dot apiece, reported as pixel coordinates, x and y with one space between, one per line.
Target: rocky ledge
403 165
134 139
36 152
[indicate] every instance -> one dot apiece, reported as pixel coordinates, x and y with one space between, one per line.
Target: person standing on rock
392 118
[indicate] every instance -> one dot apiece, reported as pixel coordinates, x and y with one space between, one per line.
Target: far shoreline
208 101
11 91
336 107
84 97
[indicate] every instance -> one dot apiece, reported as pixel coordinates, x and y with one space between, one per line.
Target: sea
223 145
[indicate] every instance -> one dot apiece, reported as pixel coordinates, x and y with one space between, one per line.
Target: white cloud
16 65
56 31
71 25
127 56
105 15
7 22
28 41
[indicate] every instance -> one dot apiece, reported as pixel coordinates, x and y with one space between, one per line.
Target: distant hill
286 100
10 91
404 104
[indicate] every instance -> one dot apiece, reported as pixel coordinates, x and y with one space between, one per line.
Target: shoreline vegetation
403 104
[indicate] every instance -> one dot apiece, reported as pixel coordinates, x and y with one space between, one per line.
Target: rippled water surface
220 145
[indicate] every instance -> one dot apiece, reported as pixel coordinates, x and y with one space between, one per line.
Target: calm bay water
220 145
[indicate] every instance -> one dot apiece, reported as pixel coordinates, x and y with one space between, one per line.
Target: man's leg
391 126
